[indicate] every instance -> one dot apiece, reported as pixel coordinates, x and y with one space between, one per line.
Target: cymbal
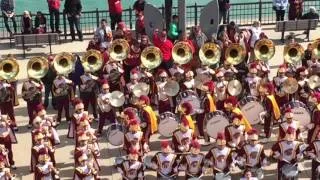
141 89
200 79
234 87
117 99
171 88
314 81
290 85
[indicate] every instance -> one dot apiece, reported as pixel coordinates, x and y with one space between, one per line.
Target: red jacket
115 6
54 4
165 47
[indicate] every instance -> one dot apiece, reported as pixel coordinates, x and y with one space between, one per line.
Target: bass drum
168 124
192 98
216 122
251 109
300 111
115 134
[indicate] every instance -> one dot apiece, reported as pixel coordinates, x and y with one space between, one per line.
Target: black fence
241 13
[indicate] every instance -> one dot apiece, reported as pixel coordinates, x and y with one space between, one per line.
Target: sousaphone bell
209 53
9 68
171 88
235 54
151 57
119 50
37 67
234 87
293 53
117 99
182 53
64 63
92 61
264 49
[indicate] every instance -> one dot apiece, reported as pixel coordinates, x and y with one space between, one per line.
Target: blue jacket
280 4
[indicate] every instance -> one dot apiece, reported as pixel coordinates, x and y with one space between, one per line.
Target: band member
84 170
105 109
253 81
61 90
235 133
263 69
182 137
221 90
134 80
287 151
113 72
278 81
193 163
185 110
189 81
220 157
44 118
252 155
7 138
88 89
5 172
165 162
230 105
127 115
45 169
31 93
303 90
289 122
149 117
131 169
272 109
314 127
7 101
134 138
313 152
163 98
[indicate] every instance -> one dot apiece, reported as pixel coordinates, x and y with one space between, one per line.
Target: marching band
218 102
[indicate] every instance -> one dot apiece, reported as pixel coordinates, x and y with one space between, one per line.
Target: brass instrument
264 49
151 57
316 49
209 53
9 68
182 53
37 67
119 50
92 61
293 53
235 54
64 63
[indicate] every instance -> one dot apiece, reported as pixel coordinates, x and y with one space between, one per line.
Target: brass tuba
64 63
264 49
37 67
9 68
182 53
119 50
316 49
210 53
151 57
235 54
293 53
92 61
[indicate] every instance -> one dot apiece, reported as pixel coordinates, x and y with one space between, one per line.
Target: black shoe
58 31
13 167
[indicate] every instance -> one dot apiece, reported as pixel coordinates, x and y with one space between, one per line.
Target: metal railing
241 13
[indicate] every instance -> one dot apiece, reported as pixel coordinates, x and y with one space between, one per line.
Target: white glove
299 156
310 126
265 162
181 148
146 147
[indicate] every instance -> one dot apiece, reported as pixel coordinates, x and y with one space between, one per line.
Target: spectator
144 42
280 7
199 38
224 7
138 6
102 34
26 23
173 33
7 9
73 10
165 46
94 44
40 23
140 28
295 9
247 175
115 10
312 14
54 6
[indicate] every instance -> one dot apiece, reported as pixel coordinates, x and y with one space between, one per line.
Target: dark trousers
74 21
7 108
115 19
47 92
223 16
314 166
166 65
8 146
63 103
267 126
280 15
6 23
31 106
90 99
168 12
54 19
103 116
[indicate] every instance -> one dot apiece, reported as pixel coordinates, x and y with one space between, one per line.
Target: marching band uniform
165 162
283 127
189 81
61 89
5 172
84 171
303 88
131 169
287 151
235 133
313 151
278 81
113 71
129 114
221 90
31 93
134 80
182 137
7 103
45 169
88 89
314 127
193 163
105 109
133 139
7 138
164 104
263 69
253 81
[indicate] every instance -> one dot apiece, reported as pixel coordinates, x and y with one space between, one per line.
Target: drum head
251 110
215 124
115 134
301 113
168 124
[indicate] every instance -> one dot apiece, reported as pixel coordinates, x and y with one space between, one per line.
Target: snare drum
300 111
251 109
115 134
289 170
216 122
168 124
192 98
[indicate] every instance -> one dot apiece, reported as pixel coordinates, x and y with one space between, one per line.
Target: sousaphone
64 63
293 53
235 54
9 68
264 49
316 49
182 53
151 57
209 53
37 67
119 50
92 61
